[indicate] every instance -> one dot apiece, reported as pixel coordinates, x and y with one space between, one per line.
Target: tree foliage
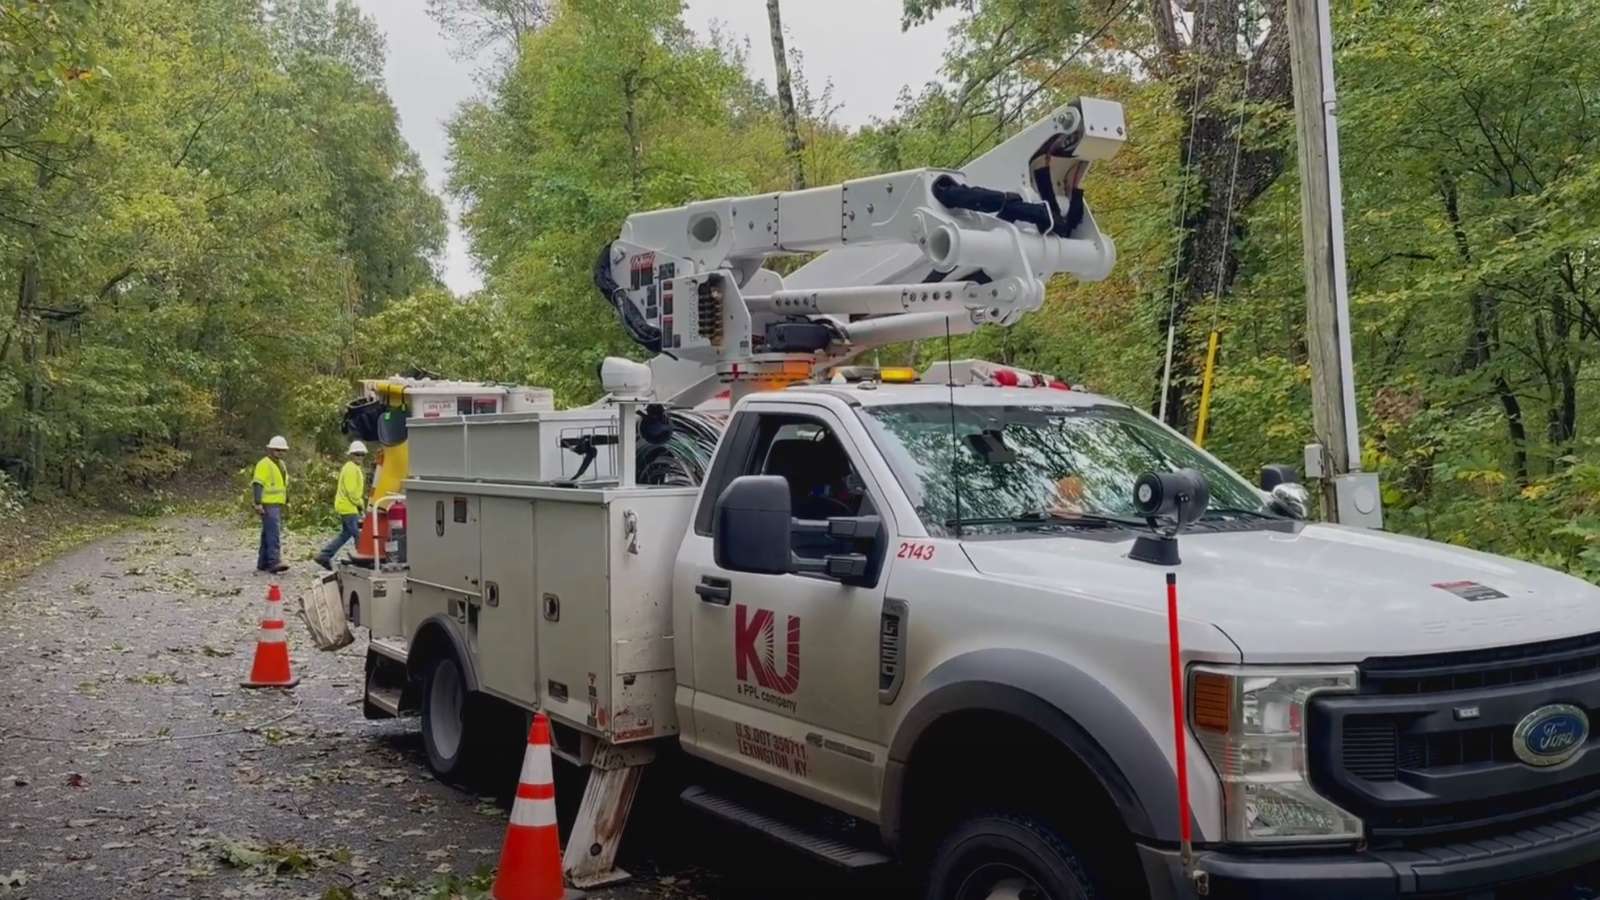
198 199
209 223
1470 170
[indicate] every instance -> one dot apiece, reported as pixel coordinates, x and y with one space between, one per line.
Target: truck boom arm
903 256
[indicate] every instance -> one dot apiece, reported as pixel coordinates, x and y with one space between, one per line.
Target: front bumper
1479 866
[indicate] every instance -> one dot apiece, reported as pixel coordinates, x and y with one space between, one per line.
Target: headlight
1250 720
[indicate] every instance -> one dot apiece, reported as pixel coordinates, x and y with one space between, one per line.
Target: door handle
714 590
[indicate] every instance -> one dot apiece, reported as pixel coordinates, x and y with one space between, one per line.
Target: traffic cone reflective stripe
271 665
530 858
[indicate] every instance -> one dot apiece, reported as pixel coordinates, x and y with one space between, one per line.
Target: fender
1068 704
434 634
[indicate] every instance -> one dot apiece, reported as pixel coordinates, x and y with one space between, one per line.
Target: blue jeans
271 527
349 527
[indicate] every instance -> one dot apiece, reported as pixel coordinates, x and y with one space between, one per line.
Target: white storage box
520 448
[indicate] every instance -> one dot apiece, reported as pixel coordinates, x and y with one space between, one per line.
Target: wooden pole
1322 235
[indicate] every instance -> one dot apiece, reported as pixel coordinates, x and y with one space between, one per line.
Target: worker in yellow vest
269 488
349 501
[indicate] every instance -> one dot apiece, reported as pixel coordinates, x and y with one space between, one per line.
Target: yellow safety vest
274 483
347 498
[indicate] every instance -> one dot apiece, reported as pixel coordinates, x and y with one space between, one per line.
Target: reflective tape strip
536 791
272 636
536 767
534 813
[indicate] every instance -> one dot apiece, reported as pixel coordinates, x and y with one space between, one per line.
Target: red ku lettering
755 649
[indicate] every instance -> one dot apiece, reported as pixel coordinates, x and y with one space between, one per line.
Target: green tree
611 108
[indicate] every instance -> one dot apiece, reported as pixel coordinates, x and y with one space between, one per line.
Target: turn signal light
1212 701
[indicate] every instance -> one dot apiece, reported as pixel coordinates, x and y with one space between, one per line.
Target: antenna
955 445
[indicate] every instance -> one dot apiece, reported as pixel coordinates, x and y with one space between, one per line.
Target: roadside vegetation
209 225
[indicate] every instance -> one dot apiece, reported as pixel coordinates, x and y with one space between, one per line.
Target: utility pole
1349 495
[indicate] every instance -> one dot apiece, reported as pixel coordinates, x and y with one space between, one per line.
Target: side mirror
1292 500
859 567
1274 475
750 531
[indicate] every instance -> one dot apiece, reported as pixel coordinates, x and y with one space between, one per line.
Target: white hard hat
277 443
357 447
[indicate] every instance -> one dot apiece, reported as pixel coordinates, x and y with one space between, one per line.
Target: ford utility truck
919 617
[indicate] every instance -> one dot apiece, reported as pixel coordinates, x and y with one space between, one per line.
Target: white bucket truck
937 610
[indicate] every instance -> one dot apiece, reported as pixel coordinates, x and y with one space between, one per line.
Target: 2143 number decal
914 550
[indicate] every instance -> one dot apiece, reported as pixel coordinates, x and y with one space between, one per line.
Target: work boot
280 568
323 562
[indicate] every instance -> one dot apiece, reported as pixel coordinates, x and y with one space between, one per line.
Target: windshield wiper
1235 511
1101 519
1044 519
1035 518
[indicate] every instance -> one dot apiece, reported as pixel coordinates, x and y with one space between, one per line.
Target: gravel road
131 763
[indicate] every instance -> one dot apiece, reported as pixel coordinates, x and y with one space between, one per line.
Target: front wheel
1001 856
447 729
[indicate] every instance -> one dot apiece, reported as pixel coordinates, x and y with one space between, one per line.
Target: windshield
1015 465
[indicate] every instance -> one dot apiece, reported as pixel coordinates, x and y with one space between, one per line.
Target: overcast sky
856 44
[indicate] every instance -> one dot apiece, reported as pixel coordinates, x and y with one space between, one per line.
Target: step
808 839
393 648
385 697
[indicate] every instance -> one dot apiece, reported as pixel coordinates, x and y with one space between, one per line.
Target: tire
448 724
1004 856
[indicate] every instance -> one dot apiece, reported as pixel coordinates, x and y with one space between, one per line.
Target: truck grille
1445 672
1425 748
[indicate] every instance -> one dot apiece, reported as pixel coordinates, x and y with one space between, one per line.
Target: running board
817 843
385 698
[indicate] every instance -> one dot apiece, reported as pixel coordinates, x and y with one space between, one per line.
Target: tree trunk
32 390
630 93
791 121
1226 176
1519 434
1483 339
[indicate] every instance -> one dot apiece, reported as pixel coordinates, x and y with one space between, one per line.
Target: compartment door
574 609
508 614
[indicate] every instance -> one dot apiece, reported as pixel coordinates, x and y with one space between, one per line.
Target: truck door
785 667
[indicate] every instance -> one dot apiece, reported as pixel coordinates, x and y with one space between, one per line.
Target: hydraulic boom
904 256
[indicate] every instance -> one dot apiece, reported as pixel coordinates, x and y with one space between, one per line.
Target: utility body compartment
540 447
562 595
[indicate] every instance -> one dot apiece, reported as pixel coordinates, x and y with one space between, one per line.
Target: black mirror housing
751 529
1274 475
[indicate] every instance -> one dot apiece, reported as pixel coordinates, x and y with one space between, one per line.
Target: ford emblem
1550 735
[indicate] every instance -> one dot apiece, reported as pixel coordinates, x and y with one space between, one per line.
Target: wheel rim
1000 880
445 702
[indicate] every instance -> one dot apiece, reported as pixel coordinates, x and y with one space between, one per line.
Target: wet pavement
131 763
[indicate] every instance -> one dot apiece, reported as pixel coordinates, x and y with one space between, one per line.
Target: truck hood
1322 594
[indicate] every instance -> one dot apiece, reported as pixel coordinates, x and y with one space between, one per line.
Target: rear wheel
447 725
1002 856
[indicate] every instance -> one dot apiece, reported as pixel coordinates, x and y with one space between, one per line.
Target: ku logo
755 649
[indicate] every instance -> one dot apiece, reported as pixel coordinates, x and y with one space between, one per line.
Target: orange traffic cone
271 666
530 859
